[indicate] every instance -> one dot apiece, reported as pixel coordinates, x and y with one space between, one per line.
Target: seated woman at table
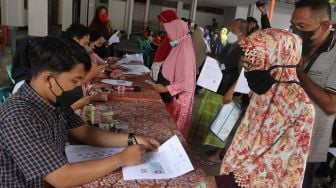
271 145
36 124
103 26
179 68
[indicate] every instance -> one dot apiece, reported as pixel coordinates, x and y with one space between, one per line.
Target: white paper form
211 75
135 57
76 153
130 57
242 85
117 82
136 69
114 38
169 161
332 151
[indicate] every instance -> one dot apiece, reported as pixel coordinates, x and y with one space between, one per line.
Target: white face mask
231 38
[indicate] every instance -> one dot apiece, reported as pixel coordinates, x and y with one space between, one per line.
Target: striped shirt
33 134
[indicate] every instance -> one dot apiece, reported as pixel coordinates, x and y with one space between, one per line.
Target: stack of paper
211 75
136 69
242 85
76 153
114 38
130 57
117 82
170 161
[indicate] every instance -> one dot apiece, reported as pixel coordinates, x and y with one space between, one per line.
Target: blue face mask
174 43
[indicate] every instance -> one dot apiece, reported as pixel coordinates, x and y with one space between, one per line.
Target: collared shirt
323 73
33 134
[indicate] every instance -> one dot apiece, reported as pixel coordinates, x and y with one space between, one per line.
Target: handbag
225 120
166 96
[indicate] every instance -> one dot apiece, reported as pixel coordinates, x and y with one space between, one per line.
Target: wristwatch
130 138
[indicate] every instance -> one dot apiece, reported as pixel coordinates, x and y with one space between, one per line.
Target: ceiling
225 2
220 3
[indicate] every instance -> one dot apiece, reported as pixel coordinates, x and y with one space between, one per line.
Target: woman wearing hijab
271 145
164 48
179 68
200 47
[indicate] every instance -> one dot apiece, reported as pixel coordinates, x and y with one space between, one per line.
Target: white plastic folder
225 120
211 75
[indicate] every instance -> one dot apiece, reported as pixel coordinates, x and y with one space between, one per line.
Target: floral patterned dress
271 145
180 108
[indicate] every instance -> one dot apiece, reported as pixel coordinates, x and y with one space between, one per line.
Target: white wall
13 13
66 14
229 15
37 18
117 11
281 16
139 12
241 12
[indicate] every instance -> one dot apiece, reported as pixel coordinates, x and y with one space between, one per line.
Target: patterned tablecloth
150 119
147 94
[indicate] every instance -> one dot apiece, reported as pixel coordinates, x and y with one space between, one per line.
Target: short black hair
251 19
316 5
77 30
243 25
94 36
56 55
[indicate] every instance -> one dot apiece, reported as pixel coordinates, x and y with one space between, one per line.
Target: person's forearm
319 95
98 137
74 174
231 89
174 89
89 76
265 23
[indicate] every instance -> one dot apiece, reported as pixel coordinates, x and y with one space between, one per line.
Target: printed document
130 57
332 151
117 82
76 153
169 161
242 85
114 38
136 69
211 75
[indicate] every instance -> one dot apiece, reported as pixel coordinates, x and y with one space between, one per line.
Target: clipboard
225 120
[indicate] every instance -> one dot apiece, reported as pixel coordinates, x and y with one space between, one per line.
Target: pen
136 142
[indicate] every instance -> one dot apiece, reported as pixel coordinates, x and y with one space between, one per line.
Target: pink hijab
180 65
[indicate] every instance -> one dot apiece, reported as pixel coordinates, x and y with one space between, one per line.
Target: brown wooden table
150 119
146 114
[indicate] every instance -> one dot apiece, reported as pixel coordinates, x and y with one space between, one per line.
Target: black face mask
67 98
306 39
260 81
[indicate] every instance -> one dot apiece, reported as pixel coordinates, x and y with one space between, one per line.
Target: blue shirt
33 134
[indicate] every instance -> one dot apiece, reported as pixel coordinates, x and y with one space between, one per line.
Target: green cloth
210 105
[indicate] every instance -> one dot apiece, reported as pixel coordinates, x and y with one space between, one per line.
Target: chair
9 73
5 92
145 48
